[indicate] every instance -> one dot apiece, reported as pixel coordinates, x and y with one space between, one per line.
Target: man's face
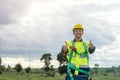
78 33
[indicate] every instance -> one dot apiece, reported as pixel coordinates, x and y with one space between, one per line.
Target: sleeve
92 50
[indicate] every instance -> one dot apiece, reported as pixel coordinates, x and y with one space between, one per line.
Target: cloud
26 62
13 61
108 55
12 10
42 26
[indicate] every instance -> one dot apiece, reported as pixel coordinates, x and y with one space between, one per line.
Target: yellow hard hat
78 26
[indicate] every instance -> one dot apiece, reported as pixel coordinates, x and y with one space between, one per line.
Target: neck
77 39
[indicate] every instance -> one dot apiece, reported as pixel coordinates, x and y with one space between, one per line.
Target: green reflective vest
80 57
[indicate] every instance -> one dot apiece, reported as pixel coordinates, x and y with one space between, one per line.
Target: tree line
49 69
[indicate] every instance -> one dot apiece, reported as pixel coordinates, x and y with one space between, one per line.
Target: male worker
77 53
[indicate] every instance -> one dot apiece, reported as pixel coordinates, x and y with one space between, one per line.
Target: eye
78 30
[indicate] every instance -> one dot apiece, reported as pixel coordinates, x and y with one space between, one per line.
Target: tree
0 66
18 67
114 70
118 68
0 61
62 69
8 68
61 57
3 67
96 66
51 72
46 58
27 70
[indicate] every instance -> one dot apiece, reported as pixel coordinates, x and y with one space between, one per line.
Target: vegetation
27 70
47 68
0 66
0 61
18 67
61 57
48 72
46 58
39 74
96 66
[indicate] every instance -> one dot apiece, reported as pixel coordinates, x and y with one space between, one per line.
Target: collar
75 40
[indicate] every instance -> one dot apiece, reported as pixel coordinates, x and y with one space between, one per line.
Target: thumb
90 41
65 43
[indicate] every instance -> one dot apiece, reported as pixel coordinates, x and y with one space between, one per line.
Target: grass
31 76
108 77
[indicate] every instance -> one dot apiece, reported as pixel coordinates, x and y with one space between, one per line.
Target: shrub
18 67
27 70
0 71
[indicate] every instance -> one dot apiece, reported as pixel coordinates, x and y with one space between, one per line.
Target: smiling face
78 33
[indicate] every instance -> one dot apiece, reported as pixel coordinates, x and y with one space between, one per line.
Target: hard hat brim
78 28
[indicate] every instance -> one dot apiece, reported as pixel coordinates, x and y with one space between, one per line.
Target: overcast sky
41 26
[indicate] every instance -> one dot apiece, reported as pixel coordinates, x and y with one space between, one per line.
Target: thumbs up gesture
65 47
91 46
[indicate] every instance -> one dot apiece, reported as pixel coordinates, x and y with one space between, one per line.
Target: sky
30 28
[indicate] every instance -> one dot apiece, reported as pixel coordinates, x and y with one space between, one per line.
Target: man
77 53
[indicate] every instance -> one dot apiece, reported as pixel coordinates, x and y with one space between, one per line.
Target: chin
78 36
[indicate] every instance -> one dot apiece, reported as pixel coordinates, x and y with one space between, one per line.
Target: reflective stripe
83 56
84 66
78 69
80 66
81 75
73 64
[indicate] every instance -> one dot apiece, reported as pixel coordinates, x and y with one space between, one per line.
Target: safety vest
78 58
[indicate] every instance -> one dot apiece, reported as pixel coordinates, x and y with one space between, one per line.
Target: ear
73 33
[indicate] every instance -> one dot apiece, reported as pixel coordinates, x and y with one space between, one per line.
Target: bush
27 70
0 71
18 67
37 71
62 69
51 73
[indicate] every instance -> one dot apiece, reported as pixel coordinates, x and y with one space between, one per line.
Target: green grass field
30 76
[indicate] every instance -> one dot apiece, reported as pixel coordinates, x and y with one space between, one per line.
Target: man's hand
91 46
65 49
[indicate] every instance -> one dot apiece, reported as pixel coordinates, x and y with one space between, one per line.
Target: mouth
79 34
